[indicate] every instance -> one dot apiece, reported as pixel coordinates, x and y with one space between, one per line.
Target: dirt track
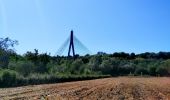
121 88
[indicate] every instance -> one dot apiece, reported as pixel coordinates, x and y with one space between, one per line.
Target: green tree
33 57
162 71
141 71
95 62
6 48
76 66
25 68
166 64
44 58
152 70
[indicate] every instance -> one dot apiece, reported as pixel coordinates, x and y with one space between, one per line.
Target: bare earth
120 88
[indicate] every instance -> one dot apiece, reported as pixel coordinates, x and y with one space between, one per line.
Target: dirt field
121 88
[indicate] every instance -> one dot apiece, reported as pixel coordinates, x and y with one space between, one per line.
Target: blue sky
102 25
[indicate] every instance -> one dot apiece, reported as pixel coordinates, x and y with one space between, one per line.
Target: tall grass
10 78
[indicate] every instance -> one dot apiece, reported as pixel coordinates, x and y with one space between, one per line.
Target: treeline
35 68
146 55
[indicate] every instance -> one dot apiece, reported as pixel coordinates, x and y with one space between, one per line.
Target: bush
53 78
162 71
8 78
141 71
4 60
166 65
152 70
25 68
12 65
106 67
41 68
125 70
77 67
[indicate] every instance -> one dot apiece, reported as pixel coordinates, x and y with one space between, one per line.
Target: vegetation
35 68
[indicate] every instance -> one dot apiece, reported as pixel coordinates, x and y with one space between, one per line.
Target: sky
101 25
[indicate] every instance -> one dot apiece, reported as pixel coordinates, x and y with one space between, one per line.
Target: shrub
4 60
25 68
152 70
8 78
126 69
162 71
40 68
76 66
166 65
141 71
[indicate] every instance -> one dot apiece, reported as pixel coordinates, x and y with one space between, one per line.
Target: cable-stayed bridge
72 46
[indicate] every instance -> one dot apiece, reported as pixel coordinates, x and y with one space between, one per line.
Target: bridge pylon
71 45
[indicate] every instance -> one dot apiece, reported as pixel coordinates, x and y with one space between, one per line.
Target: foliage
6 48
6 43
36 68
7 78
25 68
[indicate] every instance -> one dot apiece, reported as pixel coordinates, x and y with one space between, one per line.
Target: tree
121 55
162 71
25 68
126 68
110 66
94 62
76 66
33 57
6 43
164 68
152 70
44 58
6 48
132 56
141 71
106 67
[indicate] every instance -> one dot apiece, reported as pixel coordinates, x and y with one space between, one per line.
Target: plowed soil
120 88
